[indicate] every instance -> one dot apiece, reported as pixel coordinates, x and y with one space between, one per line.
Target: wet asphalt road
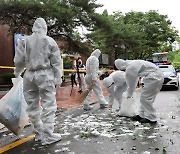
101 132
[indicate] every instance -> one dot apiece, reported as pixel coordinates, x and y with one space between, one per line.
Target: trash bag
13 108
129 106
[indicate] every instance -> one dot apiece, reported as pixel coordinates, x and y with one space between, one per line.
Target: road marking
15 144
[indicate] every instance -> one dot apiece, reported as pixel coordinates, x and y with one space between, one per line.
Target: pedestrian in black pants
73 76
80 75
73 79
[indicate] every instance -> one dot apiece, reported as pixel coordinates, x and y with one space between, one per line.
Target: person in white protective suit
153 80
115 84
40 55
92 77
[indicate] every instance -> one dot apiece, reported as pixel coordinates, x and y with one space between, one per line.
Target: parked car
171 77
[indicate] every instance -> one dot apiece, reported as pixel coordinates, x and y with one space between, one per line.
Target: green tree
135 35
62 16
157 28
174 56
177 57
176 60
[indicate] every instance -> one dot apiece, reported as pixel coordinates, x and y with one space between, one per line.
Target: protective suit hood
108 82
40 26
96 53
118 78
121 64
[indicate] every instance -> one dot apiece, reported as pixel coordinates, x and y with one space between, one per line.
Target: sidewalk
64 100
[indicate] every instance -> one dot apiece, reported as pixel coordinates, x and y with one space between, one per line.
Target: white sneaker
87 107
49 139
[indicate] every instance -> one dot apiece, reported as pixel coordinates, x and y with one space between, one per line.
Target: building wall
6 49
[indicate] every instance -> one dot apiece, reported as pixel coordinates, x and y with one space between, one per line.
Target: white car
171 78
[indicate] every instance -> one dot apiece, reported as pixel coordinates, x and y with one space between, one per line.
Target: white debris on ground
109 125
146 152
101 124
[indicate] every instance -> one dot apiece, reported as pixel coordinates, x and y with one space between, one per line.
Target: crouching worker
115 84
153 80
41 57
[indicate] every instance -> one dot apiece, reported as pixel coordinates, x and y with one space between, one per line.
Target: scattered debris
146 152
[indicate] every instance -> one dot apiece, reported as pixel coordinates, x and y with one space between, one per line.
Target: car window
167 68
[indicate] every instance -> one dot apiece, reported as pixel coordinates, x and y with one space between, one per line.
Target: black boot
136 118
144 120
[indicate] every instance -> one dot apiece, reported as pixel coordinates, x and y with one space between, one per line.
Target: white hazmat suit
153 80
92 76
40 55
115 84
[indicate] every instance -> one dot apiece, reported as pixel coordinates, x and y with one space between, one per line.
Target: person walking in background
40 55
80 75
73 77
115 84
92 77
153 80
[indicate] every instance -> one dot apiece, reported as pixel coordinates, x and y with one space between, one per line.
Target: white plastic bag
13 108
129 106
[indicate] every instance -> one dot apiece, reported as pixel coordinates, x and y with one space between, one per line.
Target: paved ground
101 132
64 100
